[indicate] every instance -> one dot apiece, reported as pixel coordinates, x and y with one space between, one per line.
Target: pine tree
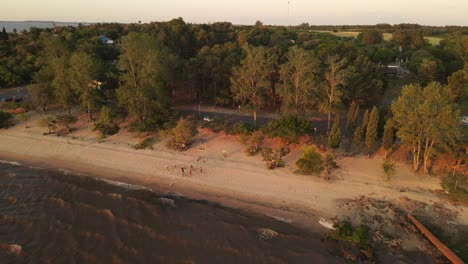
371 131
353 114
357 138
334 137
388 137
4 35
365 120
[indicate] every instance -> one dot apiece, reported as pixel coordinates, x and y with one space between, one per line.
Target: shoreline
293 214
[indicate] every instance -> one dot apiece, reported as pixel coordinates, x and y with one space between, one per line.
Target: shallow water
64 218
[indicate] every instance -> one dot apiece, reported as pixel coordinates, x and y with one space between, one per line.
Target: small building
105 40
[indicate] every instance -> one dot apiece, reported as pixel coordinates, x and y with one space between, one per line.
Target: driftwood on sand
444 249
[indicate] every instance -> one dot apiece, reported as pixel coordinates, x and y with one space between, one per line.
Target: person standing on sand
182 168
190 172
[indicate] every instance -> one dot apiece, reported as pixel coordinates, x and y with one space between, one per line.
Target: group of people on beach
183 168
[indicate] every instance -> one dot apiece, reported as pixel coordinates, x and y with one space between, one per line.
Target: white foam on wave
15 163
126 185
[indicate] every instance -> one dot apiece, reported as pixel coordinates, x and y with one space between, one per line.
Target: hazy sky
427 12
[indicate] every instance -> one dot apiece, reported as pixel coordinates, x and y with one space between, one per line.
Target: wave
15 163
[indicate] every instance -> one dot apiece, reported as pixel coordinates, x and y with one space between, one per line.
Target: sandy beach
238 180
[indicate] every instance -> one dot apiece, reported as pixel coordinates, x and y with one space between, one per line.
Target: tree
297 78
249 80
65 121
357 137
365 121
334 137
388 135
388 167
49 122
105 125
336 77
61 83
141 91
311 161
183 133
42 91
371 131
371 37
425 118
458 85
4 35
6 120
428 71
83 74
353 114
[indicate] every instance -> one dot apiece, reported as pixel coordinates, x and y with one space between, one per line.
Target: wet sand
52 216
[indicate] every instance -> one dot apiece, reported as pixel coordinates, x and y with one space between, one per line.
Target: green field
387 36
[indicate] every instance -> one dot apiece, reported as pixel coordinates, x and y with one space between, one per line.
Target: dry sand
237 180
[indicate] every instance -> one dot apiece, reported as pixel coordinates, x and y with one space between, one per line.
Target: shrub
241 128
311 161
145 143
388 167
183 133
334 138
289 129
273 158
345 231
252 141
6 120
65 121
48 122
105 125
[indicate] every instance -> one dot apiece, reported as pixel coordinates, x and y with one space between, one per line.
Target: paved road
20 92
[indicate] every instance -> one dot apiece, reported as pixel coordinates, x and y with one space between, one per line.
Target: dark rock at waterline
266 233
167 202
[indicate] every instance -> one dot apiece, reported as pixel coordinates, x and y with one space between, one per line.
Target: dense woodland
295 70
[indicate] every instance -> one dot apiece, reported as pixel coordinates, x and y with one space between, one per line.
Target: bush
145 143
252 141
48 122
65 121
388 167
6 120
218 124
273 158
289 129
105 125
456 187
345 231
241 128
183 133
311 161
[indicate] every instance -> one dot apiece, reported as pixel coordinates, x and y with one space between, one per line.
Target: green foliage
273 157
345 231
456 187
353 114
105 125
241 128
249 81
365 121
289 129
65 122
357 138
371 131
426 118
6 120
141 91
252 141
183 133
371 37
146 143
388 137
311 161
297 81
389 168
334 137
49 122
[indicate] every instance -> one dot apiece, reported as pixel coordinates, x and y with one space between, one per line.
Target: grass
456 188
434 41
145 143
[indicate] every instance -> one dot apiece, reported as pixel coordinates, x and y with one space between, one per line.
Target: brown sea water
57 217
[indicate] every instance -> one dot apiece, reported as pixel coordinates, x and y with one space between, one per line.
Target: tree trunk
329 117
255 117
89 113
